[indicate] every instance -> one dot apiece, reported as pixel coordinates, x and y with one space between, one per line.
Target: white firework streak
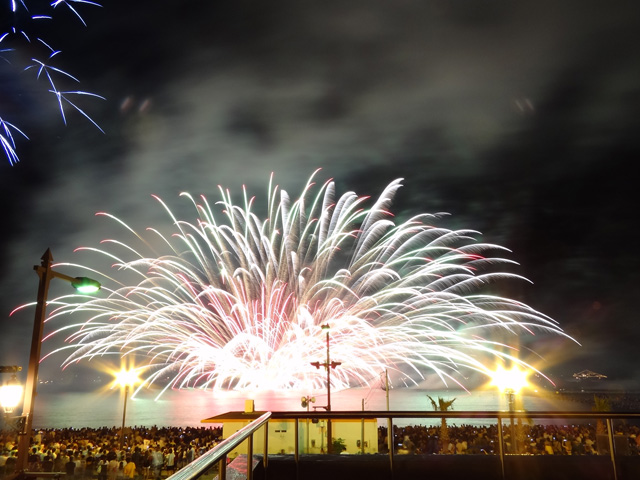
7 141
237 302
21 34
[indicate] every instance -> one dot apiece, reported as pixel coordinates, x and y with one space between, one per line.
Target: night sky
519 119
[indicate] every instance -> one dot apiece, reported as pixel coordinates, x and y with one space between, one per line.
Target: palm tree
443 406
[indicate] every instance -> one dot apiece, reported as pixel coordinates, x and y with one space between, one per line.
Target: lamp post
46 273
125 379
510 382
328 364
511 406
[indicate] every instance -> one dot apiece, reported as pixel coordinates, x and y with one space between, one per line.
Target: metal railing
499 416
218 455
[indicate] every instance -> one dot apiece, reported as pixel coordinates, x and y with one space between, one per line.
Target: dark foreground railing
610 460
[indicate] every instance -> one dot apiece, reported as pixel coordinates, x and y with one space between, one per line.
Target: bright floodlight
512 380
10 395
126 378
85 285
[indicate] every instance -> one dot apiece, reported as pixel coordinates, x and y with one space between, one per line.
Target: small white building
357 435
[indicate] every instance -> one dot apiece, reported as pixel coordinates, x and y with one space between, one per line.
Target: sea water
189 407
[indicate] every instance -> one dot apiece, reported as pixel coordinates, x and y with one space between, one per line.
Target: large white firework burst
234 301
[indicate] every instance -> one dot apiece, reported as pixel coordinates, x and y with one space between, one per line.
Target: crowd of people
154 453
521 438
528 438
151 453
146 453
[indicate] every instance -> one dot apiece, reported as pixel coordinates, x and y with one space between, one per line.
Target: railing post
501 448
223 468
612 452
390 444
266 445
362 437
250 457
295 451
296 446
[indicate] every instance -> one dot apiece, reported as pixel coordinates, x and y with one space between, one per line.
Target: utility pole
328 364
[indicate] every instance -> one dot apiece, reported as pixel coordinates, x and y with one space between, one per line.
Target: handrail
219 453
498 415
369 414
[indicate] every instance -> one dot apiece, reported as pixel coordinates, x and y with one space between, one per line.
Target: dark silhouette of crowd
521 438
147 453
152 453
526 438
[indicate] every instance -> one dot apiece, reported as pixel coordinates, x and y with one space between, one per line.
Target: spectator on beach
70 468
89 465
34 460
170 460
461 446
3 461
408 445
129 469
10 464
47 464
191 453
61 464
181 459
157 462
136 457
112 467
101 468
121 464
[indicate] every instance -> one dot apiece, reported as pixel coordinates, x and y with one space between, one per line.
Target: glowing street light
46 273
512 380
10 392
83 285
125 379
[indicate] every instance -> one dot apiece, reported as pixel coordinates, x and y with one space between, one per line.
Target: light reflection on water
188 408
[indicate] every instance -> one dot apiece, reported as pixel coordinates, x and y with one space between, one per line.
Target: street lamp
46 273
328 364
125 379
10 392
510 382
